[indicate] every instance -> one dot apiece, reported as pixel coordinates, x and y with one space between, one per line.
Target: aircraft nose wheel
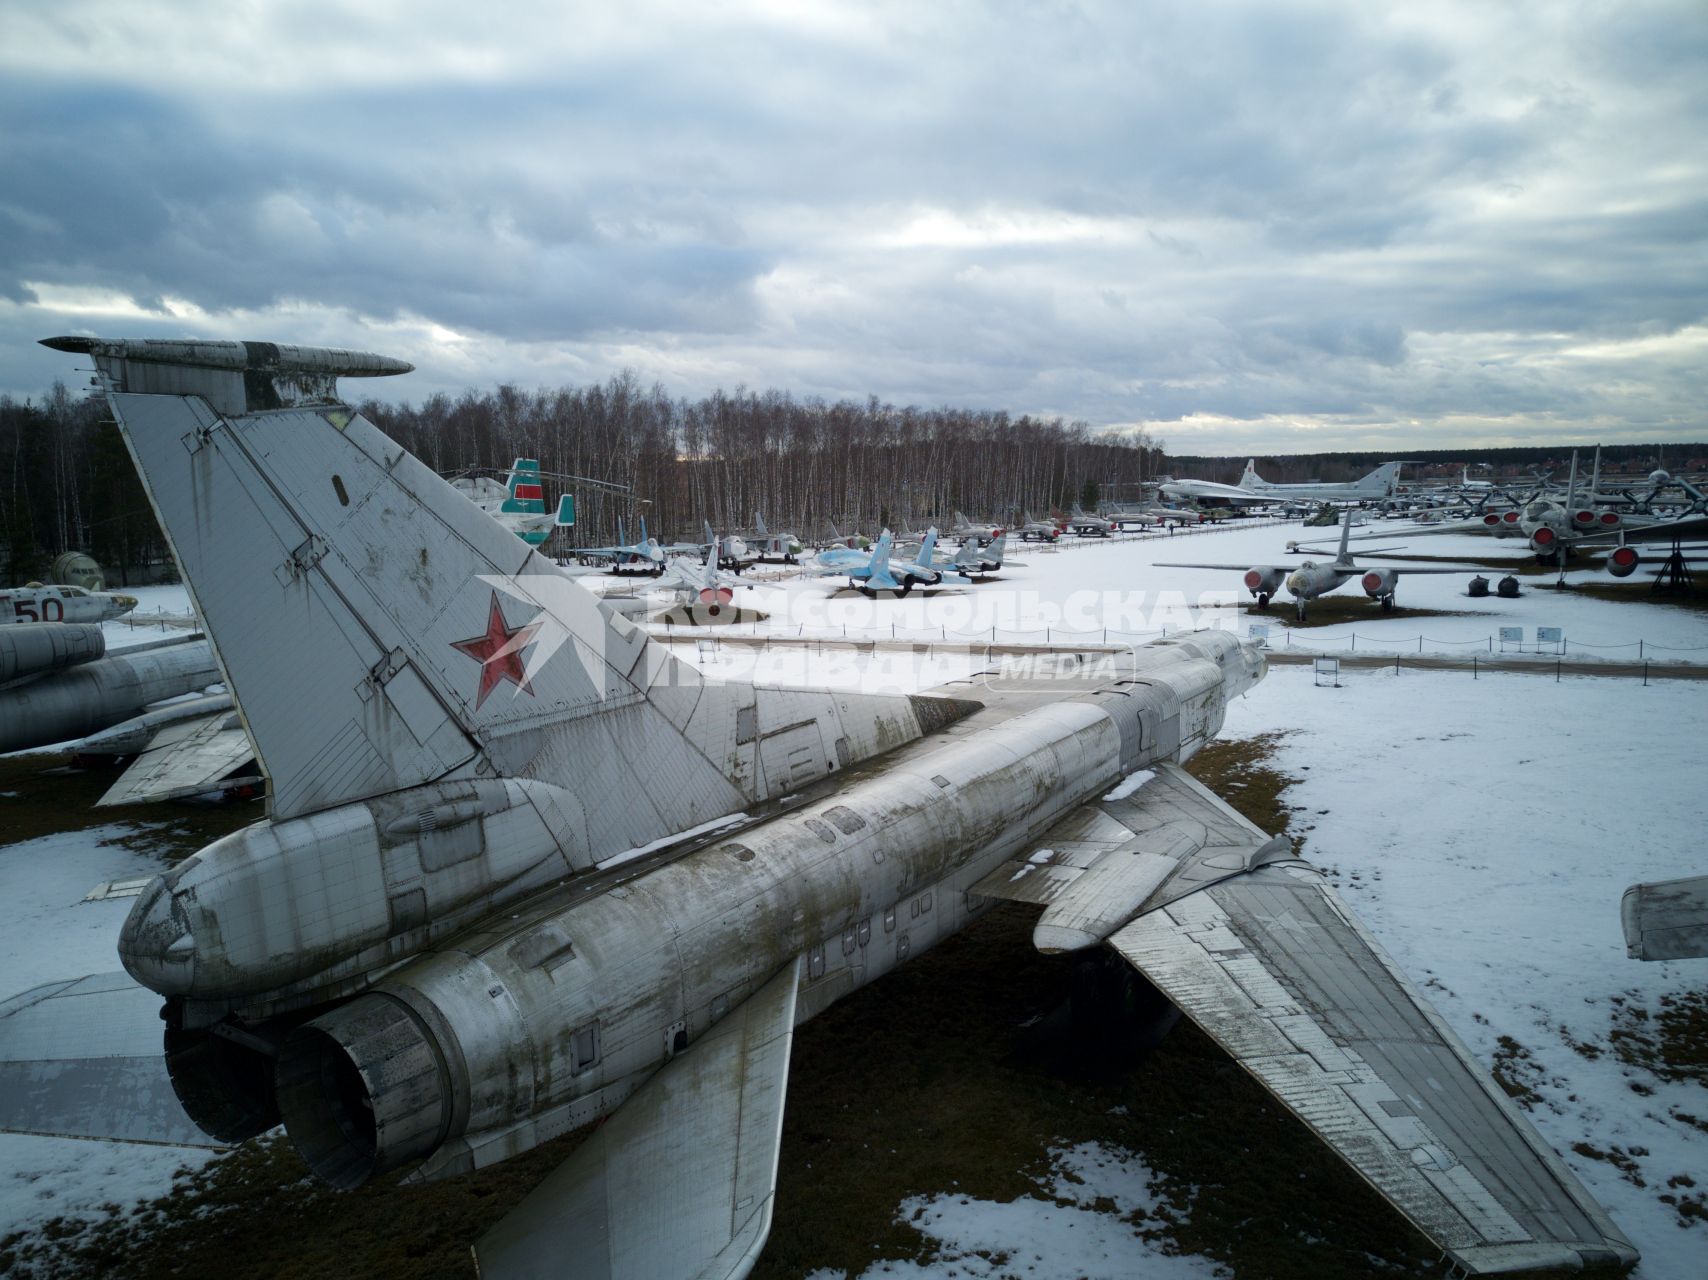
1263 600
1299 611
1387 604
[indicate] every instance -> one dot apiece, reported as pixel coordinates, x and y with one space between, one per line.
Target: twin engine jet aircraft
443 945
880 569
974 561
645 556
1305 582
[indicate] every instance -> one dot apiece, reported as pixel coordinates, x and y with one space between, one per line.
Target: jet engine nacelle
48 646
1379 583
1264 582
1623 562
1544 539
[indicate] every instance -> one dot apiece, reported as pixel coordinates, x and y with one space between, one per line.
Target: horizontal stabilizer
86 1059
680 1182
187 758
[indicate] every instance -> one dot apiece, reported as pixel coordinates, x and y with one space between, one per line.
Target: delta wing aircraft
443 945
1305 582
38 602
1212 491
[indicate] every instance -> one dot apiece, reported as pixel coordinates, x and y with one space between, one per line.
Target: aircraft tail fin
759 525
1382 481
1249 479
379 632
878 567
566 511
1345 536
928 546
523 482
997 547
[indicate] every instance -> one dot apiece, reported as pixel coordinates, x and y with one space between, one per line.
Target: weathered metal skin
547 1021
48 646
312 902
71 704
131 736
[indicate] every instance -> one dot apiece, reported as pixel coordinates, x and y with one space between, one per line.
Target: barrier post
1473 666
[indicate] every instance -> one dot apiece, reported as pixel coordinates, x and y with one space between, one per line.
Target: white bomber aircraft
443 945
1305 582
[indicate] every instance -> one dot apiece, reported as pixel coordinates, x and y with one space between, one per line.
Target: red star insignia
499 652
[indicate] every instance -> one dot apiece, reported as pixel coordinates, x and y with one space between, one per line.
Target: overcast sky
1249 227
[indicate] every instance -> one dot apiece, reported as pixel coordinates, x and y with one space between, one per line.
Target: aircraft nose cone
156 946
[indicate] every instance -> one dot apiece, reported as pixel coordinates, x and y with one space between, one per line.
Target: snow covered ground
1484 829
1065 1232
52 933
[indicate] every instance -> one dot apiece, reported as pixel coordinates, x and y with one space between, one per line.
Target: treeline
803 463
68 483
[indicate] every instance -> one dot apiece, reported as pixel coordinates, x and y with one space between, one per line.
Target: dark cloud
1472 218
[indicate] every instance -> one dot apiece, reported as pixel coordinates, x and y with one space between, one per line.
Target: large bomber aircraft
1305 582
1381 483
444 946
47 602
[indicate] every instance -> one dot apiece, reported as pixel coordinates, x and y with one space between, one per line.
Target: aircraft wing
1666 919
186 758
679 1183
1231 568
1464 568
1257 949
85 1058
